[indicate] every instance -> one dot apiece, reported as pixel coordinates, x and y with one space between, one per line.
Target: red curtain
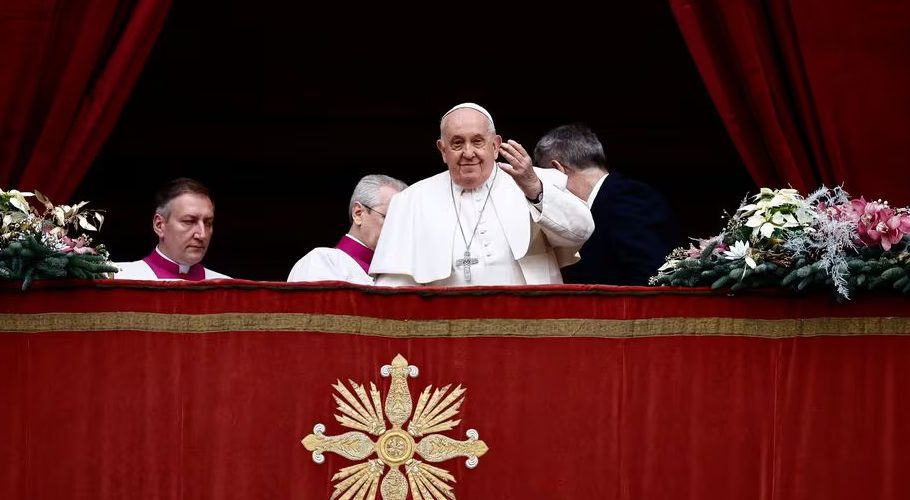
68 67
191 390
811 91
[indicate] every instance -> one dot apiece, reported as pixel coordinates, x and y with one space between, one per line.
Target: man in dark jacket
633 231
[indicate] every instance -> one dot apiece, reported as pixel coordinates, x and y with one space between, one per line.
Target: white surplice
140 270
329 264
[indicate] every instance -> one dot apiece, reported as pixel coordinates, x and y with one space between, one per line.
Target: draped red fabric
186 390
812 91
68 68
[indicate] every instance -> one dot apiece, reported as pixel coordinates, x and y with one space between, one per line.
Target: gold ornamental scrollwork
395 447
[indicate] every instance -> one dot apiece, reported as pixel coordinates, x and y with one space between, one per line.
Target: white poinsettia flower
740 250
777 201
747 208
17 199
60 214
21 205
755 220
775 210
13 192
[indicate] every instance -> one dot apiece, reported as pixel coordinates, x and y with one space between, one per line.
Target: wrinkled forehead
466 122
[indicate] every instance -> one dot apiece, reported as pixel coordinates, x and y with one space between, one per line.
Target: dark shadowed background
280 110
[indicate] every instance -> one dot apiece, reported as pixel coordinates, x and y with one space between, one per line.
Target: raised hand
521 168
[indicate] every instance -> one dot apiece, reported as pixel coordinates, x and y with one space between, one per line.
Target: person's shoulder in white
553 177
212 275
328 264
136 270
139 270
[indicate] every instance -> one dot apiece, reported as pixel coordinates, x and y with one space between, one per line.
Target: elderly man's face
184 234
373 218
468 147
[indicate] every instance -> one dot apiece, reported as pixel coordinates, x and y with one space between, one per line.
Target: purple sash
361 254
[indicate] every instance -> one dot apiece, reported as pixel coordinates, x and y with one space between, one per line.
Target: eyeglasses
373 210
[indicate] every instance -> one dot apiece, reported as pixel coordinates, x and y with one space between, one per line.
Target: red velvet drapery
811 91
67 70
205 390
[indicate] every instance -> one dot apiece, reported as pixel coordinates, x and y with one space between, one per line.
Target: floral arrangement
782 239
37 245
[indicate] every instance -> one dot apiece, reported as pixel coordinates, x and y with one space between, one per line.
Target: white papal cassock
515 242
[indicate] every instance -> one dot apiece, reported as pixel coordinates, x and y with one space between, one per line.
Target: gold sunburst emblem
395 447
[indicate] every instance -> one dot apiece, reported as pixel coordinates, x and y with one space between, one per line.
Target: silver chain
467 243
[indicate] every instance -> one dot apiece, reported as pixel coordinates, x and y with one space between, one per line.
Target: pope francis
481 222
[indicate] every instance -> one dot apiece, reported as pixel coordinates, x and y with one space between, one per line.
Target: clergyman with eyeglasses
350 259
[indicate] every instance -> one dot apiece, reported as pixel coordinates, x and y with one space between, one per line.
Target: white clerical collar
488 184
594 191
349 235
183 268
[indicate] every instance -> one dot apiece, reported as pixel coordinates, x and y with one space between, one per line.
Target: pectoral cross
467 262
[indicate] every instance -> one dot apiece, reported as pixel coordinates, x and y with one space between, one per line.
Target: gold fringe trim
360 325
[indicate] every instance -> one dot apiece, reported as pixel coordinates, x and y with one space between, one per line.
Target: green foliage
784 240
870 270
34 245
28 260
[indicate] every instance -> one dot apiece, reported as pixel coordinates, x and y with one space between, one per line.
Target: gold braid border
360 325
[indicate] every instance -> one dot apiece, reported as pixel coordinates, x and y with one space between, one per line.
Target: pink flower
844 211
877 223
77 246
695 252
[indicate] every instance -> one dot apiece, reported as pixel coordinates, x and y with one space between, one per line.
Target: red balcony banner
181 390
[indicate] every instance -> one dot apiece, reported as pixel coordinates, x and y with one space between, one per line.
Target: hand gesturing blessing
521 168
